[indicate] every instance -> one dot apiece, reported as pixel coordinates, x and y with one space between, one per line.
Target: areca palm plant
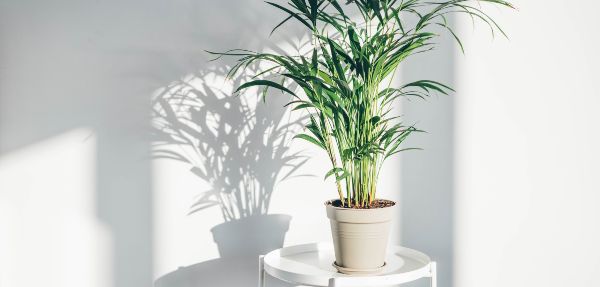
345 82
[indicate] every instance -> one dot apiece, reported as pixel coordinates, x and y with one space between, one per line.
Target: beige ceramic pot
360 237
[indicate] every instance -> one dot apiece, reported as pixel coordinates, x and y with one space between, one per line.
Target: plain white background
505 192
527 159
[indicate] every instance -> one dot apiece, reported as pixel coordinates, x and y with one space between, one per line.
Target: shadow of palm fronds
236 144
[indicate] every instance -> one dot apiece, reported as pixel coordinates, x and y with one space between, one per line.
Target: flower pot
360 237
251 236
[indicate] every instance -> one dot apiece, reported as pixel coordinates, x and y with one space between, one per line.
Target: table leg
332 283
433 271
261 271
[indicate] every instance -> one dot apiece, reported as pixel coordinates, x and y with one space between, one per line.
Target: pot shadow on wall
239 147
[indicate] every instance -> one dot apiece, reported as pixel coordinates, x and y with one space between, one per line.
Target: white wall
503 194
527 158
50 233
67 66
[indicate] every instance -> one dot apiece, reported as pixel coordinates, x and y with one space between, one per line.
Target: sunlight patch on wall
50 233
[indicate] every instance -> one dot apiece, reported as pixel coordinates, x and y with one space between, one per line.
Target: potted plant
344 84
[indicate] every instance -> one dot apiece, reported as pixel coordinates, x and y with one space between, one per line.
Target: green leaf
295 15
332 171
428 84
313 11
265 83
335 171
303 106
281 23
338 68
310 139
374 120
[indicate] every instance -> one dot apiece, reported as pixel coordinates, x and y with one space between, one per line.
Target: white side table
311 264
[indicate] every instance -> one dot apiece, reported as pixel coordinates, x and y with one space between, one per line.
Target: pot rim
329 205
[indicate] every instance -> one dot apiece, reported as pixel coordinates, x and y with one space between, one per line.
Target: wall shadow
95 64
427 181
239 146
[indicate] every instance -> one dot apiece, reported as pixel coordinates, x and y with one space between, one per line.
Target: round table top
311 264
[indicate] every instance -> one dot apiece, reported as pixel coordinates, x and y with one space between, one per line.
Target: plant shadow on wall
241 149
